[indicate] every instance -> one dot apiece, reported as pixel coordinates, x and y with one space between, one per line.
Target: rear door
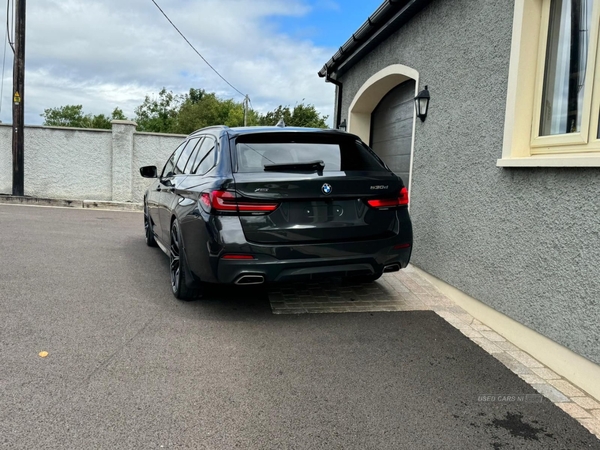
169 182
164 183
314 207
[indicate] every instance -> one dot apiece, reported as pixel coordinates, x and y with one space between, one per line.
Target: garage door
392 126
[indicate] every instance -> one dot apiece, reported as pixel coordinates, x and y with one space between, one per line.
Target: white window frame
522 144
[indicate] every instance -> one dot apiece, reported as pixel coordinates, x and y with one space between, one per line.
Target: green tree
118 114
199 112
64 116
301 116
172 113
73 116
159 114
184 113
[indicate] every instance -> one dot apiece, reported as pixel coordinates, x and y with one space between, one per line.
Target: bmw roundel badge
326 188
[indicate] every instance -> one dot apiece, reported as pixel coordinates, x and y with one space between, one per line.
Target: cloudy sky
107 53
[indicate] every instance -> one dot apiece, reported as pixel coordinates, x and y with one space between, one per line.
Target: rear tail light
401 200
238 257
225 201
383 203
205 199
403 197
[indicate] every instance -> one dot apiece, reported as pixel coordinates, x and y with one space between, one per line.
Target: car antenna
281 123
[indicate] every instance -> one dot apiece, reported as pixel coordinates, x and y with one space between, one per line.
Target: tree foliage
73 116
159 114
168 112
201 109
301 116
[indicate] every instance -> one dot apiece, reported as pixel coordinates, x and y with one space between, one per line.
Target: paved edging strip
64 203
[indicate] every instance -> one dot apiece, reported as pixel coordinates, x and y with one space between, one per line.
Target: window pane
207 146
185 156
190 163
566 63
253 157
338 153
170 165
207 163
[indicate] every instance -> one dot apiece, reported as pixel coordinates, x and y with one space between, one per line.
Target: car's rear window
339 153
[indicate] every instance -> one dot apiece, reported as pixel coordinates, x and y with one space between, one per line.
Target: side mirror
148 172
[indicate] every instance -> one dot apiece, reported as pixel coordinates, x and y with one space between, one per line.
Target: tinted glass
185 156
339 153
208 145
190 163
207 163
168 170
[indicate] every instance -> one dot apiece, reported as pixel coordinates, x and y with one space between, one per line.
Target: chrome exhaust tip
246 280
391 268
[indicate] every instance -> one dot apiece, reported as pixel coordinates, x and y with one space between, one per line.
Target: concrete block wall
149 149
85 164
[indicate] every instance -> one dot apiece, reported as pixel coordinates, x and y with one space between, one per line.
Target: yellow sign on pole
17 98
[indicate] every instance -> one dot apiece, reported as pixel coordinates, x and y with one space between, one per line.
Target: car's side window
207 163
206 156
185 156
190 164
204 147
168 170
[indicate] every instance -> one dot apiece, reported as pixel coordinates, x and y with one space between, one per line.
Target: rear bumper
277 270
206 241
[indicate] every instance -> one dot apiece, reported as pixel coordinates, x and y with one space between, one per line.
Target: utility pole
18 100
246 98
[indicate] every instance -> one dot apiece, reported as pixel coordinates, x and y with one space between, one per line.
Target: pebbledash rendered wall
524 241
85 164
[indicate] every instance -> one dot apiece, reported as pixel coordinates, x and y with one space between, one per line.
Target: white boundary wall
86 164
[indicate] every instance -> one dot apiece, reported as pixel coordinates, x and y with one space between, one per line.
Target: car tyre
150 240
177 267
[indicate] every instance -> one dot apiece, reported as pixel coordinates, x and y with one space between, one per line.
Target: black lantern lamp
342 125
422 104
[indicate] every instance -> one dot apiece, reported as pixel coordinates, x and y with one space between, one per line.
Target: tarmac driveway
128 366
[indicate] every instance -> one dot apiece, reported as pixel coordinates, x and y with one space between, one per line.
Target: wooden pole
18 101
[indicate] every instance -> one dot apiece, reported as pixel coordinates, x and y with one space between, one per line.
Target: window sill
581 160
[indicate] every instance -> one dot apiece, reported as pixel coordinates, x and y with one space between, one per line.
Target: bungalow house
504 166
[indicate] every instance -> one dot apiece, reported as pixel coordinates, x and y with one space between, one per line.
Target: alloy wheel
146 226
175 259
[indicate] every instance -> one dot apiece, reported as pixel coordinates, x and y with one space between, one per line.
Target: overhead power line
3 66
8 39
197 52
10 33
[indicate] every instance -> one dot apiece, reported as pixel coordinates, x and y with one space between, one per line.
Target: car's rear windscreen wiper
301 167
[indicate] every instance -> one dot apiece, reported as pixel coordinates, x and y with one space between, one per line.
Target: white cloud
107 53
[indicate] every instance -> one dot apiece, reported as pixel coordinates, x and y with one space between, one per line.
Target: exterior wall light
342 125
422 104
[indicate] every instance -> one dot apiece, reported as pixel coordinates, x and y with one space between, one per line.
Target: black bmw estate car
269 204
